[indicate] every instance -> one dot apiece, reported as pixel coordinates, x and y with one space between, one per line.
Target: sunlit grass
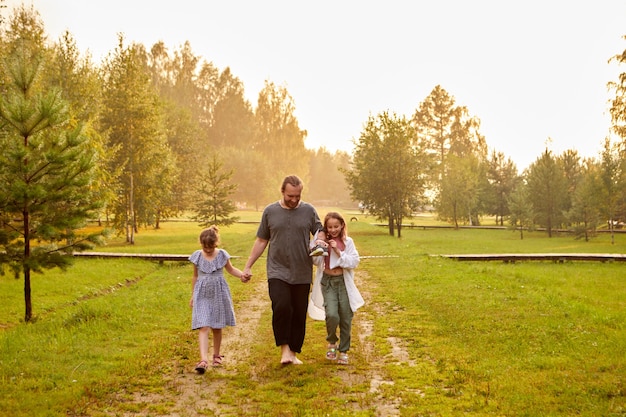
493 339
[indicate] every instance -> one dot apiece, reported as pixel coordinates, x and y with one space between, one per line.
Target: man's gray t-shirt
289 232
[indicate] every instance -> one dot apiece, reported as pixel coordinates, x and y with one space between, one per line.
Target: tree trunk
131 209
28 307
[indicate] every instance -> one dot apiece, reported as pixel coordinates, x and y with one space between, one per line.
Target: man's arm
257 250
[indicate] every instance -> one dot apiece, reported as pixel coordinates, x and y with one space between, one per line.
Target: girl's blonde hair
210 237
335 215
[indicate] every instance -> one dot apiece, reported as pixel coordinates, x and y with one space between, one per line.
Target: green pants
338 311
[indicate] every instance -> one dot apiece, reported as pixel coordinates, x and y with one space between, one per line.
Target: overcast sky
529 70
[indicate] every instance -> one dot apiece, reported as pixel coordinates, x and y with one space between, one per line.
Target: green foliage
433 121
278 136
233 117
388 173
546 187
503 179
584 213
214 207
457 200
134 117
47 171
521 210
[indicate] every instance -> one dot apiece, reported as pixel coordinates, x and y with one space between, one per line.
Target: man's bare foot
288 357
291 361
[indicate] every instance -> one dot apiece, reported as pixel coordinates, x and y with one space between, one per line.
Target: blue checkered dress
212 302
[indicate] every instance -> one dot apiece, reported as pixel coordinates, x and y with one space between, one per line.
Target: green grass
482 339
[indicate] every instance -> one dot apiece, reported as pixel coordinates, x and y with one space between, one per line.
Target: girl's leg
345 317
331 307
217 341
217 344
203 343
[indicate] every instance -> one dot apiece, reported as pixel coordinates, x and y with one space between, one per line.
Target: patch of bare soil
363 325
188 394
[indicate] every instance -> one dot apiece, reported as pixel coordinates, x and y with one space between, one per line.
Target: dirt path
186 395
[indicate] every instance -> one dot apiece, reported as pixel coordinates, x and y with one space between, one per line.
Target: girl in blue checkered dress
211 302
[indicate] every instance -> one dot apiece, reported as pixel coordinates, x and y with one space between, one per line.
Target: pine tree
46 172
214 206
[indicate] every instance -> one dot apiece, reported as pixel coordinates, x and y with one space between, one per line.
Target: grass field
436 338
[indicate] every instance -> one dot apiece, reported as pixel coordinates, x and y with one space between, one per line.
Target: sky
534 72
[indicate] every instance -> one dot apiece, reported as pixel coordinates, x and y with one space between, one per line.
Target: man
287 226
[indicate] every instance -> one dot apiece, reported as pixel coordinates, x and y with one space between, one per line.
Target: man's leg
300 304
280 295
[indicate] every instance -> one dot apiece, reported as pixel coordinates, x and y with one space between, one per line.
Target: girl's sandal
217 360
331 353
343 359
201 367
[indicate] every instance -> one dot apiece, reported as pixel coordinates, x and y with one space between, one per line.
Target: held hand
191 302
246 275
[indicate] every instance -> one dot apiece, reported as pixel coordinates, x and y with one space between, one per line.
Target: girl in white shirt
334 289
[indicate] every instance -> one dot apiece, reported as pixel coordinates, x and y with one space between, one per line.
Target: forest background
150 134
167 122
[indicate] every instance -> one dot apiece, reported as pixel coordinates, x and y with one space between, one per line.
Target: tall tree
503 178
81 86
233 118
433 120
46 165
570 164
175 81
449 134
547 190
521 209
278 136
133 115
584 212
616 208
612 182
185 141
465 138
388 172
618 103
184 73
458 197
